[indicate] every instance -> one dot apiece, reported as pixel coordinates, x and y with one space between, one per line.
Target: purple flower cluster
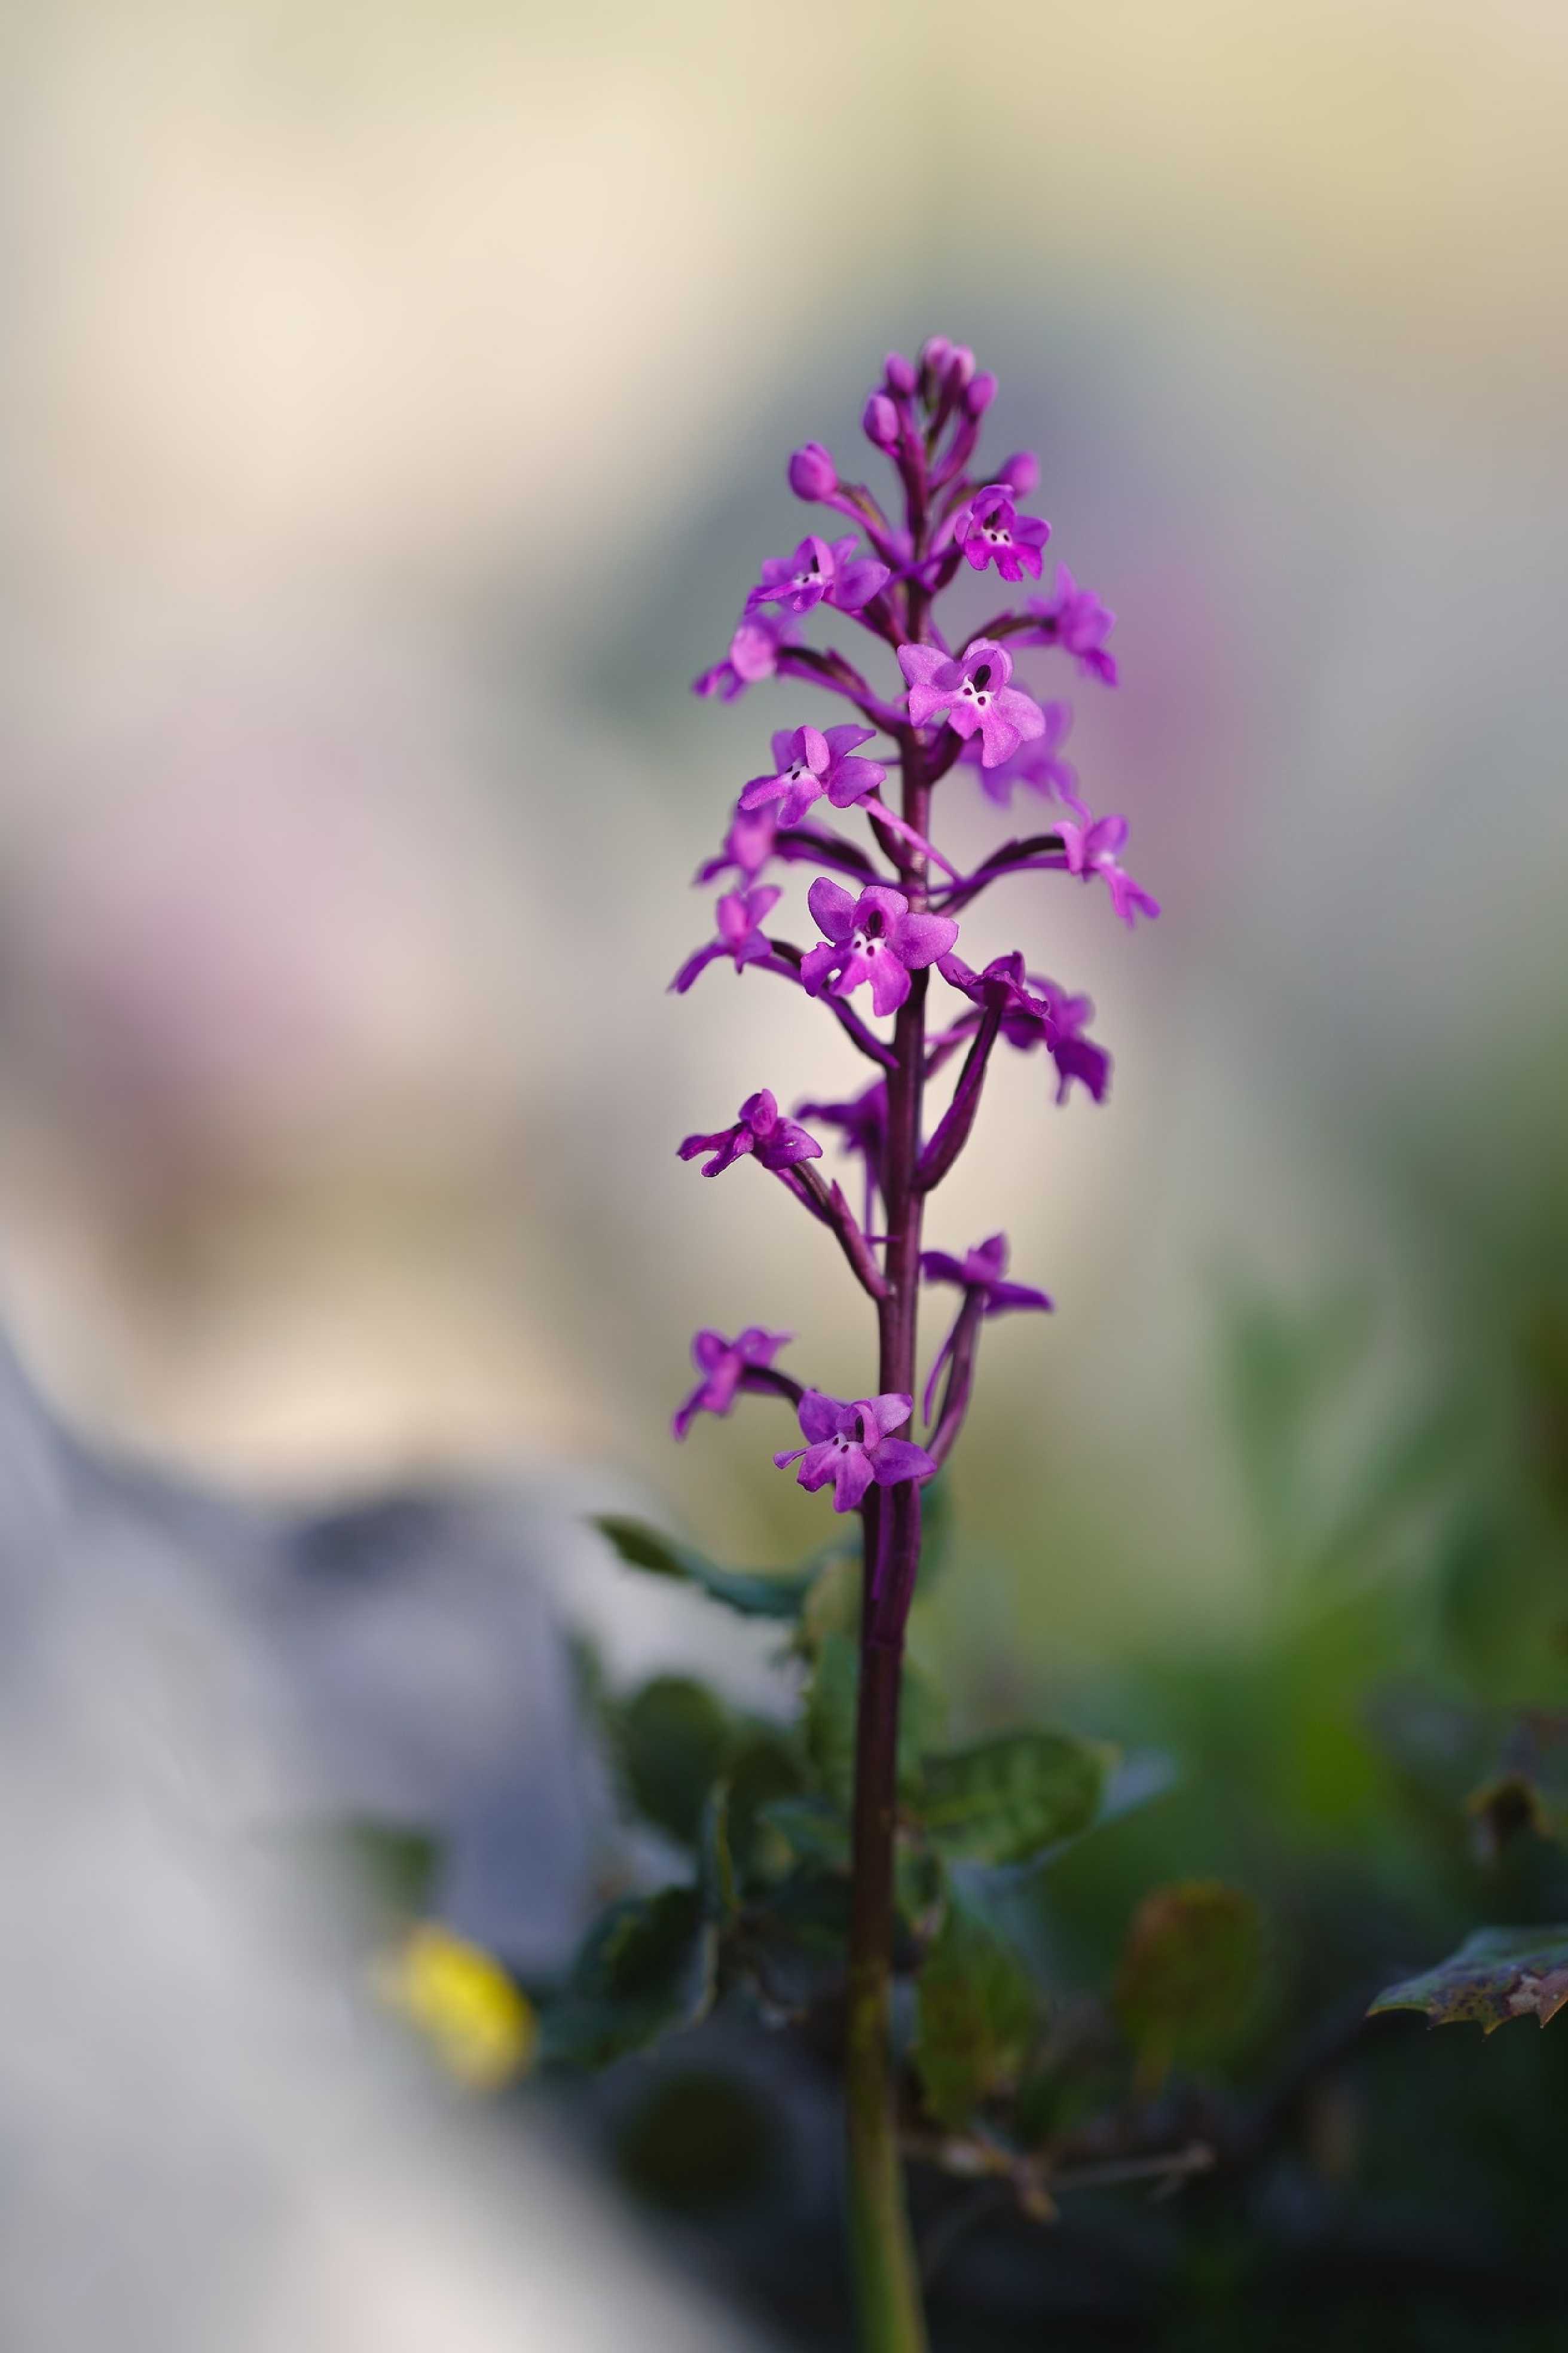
888 906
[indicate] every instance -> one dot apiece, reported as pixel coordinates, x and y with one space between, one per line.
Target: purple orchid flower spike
1075 619
739 916
819 571
874 937
850 1446
810 761
724 1365
746 847
762 1130
1038 765
754 655
1092 849
979 1274
990 530
972 693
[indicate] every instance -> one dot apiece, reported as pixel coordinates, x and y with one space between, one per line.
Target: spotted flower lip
990 530
971 691
762 1130
1038 765
1094 850
723 1365
819 571
809 761
1075 619
739 916
849 1446
754 655
874 939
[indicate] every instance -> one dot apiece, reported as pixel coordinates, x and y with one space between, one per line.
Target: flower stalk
888 933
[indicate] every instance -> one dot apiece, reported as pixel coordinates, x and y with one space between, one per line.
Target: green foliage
1010 1800
1497 1974
978 2015
1189 1971
765 1593
645 1967
830 1707
672 1740
1528 1789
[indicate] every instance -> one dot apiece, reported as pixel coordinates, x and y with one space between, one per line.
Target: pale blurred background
394 413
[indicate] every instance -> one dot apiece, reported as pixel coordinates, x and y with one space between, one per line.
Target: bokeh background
394 412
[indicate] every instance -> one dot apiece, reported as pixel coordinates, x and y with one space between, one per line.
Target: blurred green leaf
755 1593
830 1706
815 1831
765 1767
672 1740
1529 1789
645 1967
1004 1801
1189 1970
716 1868
1497 1974
977 2018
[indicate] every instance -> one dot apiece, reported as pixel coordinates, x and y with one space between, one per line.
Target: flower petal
832 908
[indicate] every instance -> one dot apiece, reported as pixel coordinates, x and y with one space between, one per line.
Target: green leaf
765 1767
716 1868
755 1593
1497 1974
1004 1801
645 1967
1528 1791
815 1831
831 1718
978 2014
672 1740
1188 1973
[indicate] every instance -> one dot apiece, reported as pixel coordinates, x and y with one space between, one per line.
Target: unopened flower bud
1021 472
880 422
812 473
935 353
960 364
978 393
898 375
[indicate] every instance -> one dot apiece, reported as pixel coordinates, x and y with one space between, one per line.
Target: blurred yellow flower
482 2028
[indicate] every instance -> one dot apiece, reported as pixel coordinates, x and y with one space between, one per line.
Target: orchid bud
880 422
812 473
979 393
1021 472
898 375
935 353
